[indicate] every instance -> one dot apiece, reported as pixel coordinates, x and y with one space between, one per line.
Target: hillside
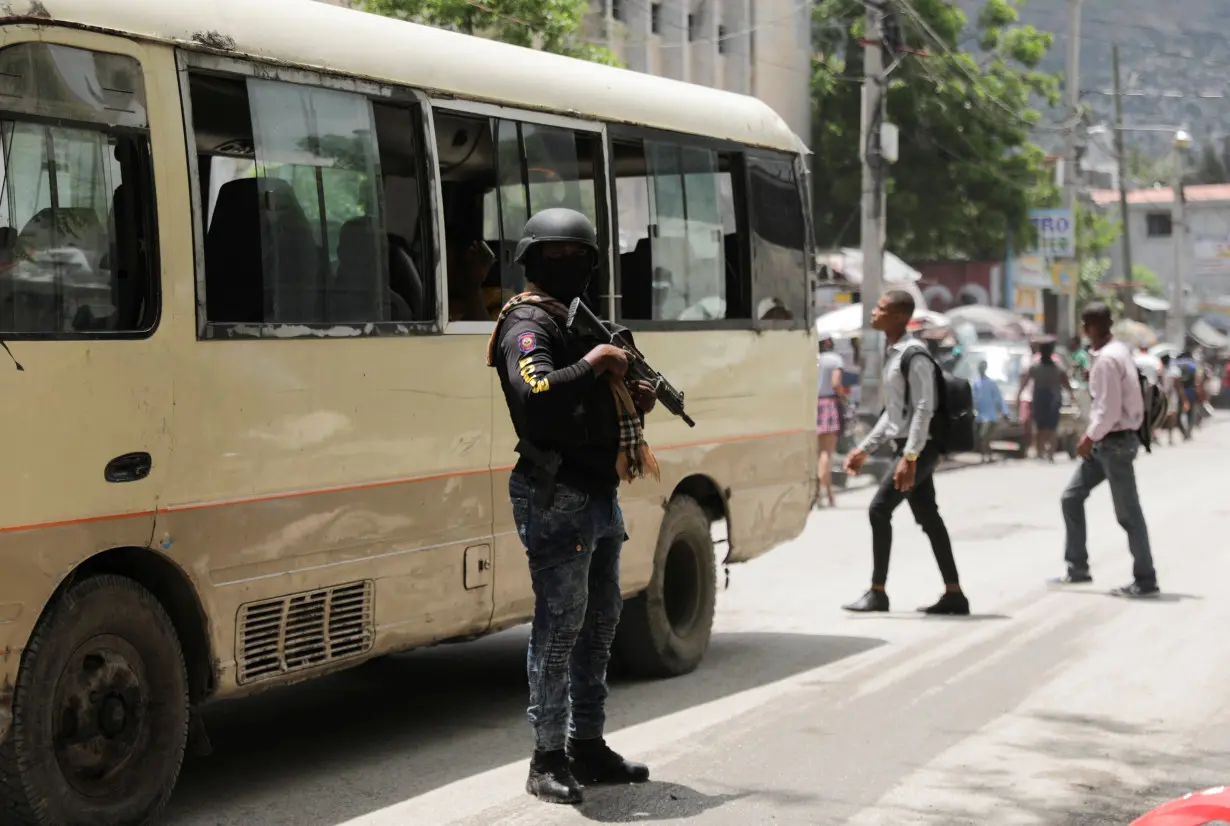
1180 49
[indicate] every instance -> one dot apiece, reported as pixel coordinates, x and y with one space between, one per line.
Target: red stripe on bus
273 497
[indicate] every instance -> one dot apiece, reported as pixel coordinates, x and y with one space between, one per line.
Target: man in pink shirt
1108 452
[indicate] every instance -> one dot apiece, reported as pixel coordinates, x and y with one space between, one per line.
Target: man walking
580 429
989 409
1108 453
910 386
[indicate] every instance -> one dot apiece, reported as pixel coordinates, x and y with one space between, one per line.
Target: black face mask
561 278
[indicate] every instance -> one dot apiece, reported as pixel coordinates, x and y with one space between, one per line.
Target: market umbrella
848 321
1134 333
1193 809
995 321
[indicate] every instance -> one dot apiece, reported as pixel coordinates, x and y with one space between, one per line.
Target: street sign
1056 232
1064 275
1027 301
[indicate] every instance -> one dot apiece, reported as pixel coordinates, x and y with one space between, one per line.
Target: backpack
953 425
1155 410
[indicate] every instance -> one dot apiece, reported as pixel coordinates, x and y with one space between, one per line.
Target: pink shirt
1115 387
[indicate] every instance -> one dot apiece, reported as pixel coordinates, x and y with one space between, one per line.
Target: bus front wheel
664 631
100 713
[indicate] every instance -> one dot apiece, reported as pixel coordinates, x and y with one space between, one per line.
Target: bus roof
321 36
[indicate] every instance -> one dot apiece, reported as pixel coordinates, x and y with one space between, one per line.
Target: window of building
779 241
312 205
617 10
692 35
1159 225
721 39
680 256
501 173
78 247
655 18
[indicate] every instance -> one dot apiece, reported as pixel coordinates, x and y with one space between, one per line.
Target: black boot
550 778
952 604
874 601
593 761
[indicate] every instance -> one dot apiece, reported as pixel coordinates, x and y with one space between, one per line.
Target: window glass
505 171
680 253
779 241
75 198
295 180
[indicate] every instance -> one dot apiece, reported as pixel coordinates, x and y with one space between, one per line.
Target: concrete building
754 47
1152 234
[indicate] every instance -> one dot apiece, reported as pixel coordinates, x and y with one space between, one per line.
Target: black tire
111 759
664 631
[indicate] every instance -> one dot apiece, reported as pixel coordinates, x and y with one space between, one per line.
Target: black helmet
556 224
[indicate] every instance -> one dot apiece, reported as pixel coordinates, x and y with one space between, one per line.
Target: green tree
968 173
1095 233
550 25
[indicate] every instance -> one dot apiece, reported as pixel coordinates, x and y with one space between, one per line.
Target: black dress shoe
593 761
1073 578
952 604
550 778
875 600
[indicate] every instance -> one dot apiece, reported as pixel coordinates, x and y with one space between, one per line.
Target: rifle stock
583 324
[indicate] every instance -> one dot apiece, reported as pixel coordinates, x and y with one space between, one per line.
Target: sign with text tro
1056 232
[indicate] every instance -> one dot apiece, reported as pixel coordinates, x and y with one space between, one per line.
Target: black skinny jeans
926 513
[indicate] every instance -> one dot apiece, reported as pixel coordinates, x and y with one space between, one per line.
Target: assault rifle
585 325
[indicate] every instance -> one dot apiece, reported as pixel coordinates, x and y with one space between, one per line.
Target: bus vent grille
301 631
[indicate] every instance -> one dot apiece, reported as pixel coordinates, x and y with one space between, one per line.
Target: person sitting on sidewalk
1108 452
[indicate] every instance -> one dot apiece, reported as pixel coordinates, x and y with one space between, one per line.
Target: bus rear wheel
100 713
664 631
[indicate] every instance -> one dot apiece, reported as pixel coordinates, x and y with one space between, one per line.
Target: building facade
753 47
1152 232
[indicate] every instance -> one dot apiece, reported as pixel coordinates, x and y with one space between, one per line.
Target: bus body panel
282 467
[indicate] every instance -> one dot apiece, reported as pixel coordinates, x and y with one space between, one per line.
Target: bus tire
664 631
100 712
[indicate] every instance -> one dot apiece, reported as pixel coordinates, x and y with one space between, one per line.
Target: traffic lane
445 720
1077 709
334 749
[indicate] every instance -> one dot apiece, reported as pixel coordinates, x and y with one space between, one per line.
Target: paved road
1050 708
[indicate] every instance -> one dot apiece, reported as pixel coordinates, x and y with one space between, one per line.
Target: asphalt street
1050 707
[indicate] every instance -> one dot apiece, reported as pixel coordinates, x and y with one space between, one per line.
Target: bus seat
234 268
236 280
355 291
404 279
636 281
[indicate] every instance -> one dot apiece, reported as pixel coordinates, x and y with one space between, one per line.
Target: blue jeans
573 550
1112 461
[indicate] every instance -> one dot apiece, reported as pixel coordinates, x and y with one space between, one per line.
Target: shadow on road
335 748
649 802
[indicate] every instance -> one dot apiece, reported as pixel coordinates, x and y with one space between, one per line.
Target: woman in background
829 396
1049 382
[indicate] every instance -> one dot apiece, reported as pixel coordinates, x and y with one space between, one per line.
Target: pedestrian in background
829 396
1172 380
1049 383
1108 453
989 409
910 402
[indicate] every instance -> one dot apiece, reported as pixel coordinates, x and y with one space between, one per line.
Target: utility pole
1071 172
1176 319
874 208
1127 292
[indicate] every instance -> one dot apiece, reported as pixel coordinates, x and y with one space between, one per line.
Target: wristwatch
910 457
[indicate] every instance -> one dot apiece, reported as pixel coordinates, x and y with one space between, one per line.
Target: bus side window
495 174
679 233
779 241
76 207
295 225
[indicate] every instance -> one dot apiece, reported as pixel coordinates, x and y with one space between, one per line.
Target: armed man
580 424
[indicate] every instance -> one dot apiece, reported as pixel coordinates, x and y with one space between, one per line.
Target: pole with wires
1071 172
1126 277
873 199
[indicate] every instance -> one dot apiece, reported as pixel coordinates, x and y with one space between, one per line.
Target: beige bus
249 255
